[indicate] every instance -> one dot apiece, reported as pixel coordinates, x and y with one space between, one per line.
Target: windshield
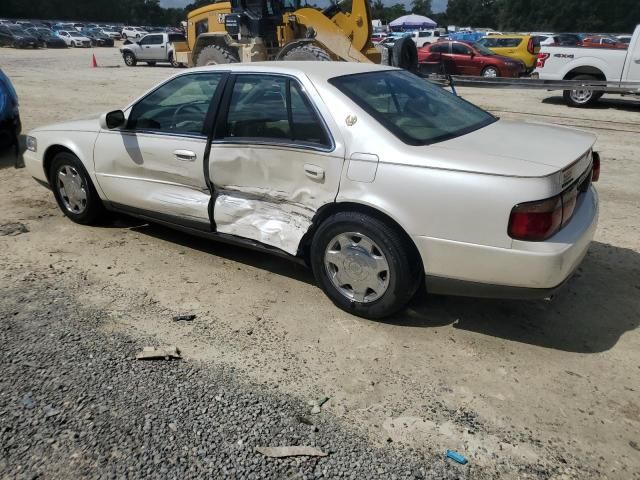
416 111
482 49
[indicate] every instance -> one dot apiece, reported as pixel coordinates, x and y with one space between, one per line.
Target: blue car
10 126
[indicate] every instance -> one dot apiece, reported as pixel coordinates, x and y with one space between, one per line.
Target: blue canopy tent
412 22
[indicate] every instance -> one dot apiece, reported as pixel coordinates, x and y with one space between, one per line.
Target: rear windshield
414 110
497 42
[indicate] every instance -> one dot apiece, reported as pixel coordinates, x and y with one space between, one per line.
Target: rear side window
179 106
272 108
440 47
509 42
176 37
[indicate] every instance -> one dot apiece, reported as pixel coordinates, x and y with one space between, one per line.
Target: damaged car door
274 161
155 162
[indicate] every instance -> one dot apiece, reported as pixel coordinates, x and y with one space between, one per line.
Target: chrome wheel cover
581 96
357 267
72 189
490 73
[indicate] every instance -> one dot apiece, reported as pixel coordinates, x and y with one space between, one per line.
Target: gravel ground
75 402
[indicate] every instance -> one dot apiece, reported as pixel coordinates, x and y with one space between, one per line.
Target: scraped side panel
279 224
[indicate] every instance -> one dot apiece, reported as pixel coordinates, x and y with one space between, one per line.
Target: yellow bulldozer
259 30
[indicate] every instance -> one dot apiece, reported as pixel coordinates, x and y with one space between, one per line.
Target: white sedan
74 39
374 177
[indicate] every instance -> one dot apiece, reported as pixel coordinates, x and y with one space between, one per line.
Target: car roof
316 71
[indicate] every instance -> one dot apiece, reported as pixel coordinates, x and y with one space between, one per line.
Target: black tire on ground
582 98
404 273
93 209
151 64
307 53
404 54
130 59
215 55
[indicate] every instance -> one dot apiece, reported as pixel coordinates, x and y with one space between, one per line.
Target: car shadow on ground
605 103
589 315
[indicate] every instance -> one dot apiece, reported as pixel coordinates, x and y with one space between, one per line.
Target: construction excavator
259 30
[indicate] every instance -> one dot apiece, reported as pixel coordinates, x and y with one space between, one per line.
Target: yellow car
518 47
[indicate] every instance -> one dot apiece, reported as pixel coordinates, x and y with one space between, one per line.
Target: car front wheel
364 265
74 192
490 72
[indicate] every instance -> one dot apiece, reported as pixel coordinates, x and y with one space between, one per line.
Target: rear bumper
527 270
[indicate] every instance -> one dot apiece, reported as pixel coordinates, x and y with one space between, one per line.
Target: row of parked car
501 55
35 34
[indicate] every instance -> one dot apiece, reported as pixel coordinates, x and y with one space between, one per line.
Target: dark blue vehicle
10 126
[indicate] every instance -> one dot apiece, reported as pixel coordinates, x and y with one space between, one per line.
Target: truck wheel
404 54
130 59
364 265
582 98
307 53
215 55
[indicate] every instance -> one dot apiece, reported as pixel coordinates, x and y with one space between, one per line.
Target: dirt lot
524 389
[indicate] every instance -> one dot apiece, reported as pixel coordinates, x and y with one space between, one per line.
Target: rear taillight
536 221
595 172
531 47
542 59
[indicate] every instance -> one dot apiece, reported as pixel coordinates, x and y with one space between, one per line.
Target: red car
460 58
603 42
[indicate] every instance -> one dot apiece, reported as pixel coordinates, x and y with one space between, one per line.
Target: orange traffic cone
94 62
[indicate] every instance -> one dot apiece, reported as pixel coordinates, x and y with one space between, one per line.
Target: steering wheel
184 108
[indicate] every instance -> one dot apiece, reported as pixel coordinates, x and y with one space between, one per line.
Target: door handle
185 155
314 171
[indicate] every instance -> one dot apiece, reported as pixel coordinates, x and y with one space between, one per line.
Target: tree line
504 15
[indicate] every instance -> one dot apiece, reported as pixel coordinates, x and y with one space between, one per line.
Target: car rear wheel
364 265
490 72
174 62
73 190
581 98
130 59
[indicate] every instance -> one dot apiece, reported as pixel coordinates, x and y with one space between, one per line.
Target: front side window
414 110
152 40
272 108
178 106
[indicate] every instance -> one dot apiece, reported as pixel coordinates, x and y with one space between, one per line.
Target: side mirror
112 120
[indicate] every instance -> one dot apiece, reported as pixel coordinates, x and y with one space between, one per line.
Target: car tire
215 55
490 72
129 59
307 53
76 196
370 252
404 54
582 98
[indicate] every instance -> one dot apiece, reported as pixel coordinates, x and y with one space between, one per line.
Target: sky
437 5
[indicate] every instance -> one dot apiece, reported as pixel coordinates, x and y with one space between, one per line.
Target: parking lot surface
522 389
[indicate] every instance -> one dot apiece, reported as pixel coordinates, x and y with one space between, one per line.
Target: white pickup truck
154 48
617 67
